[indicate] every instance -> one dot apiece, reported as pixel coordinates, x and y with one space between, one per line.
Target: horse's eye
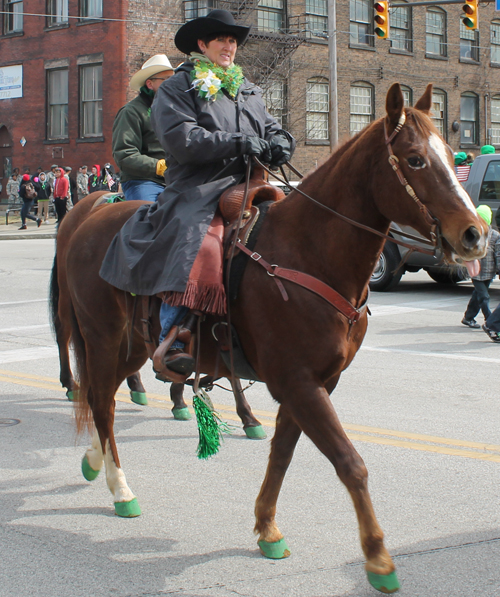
415 162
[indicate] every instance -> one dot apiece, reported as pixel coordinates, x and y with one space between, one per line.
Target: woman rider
208 117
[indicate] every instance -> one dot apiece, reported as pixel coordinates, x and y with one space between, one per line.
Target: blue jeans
480 299
170 316
25 212
141 190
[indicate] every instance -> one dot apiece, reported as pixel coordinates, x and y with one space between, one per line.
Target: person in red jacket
61 191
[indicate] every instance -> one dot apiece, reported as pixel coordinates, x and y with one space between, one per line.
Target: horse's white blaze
439 148
115 478
94 453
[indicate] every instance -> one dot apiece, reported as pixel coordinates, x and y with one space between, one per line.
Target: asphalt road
420 403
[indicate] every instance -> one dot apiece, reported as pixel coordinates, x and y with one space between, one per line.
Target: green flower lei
230 78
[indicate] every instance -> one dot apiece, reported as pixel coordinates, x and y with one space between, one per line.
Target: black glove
281 150
259 148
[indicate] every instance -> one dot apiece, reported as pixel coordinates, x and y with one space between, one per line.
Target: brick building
64 73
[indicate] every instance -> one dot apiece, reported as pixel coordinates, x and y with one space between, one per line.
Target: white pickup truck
483 186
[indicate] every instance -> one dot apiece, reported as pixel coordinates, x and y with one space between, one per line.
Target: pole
332 53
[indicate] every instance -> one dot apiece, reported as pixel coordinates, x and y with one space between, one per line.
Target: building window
361 107
438 111
407 95
401 29
495 42
57 104
495 120
469 118
361 22
270 15
91 100
13 19
197 8
58 12
317 18
435 32
469 43
91 9
317 109
275 100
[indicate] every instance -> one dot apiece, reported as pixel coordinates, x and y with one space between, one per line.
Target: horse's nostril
471 237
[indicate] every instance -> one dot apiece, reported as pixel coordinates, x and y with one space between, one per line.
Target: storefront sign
11 81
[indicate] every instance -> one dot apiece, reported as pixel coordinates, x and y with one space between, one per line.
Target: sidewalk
11 231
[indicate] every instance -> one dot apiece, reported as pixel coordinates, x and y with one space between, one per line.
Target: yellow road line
484 451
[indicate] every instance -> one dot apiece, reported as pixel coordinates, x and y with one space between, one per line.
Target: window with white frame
275 99
361 107
57 104
401 29
13 19
91 100
317 109
57 12
317 18
495 120
361 22
435 32
197 8
469 43
91 9
495 42
438 111
270 15
407 95
469 128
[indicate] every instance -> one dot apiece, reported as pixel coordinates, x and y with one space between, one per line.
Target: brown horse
298 347
61 318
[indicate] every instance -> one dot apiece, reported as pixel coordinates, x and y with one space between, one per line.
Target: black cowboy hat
216 21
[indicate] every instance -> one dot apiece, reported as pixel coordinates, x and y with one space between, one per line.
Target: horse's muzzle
471 238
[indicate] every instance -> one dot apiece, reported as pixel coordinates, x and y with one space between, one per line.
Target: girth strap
310 283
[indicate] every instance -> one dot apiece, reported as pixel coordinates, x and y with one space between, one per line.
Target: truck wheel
448 275
387 272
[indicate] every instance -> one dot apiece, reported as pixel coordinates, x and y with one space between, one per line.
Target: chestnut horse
61 317
298 347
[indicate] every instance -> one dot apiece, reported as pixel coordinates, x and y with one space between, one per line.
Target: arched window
408 95
435 32
361 23
495 120
401 30
469 44
469 118
361 106
495 42
317 109
275 99
439 111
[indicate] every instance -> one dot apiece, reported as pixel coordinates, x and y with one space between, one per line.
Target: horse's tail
84 420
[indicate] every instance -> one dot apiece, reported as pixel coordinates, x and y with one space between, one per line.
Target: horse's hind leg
137 390
63 334
285 438
180 409
311 407
251 425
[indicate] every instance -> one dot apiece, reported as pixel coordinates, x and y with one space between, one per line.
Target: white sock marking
115 478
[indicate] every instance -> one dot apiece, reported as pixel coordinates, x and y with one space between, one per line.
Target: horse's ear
424 104
394 104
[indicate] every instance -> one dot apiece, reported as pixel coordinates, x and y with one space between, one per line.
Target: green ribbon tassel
210 425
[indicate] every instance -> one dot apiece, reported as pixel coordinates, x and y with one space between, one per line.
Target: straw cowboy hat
156 64
216 21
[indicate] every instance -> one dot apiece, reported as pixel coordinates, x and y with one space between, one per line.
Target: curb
30 236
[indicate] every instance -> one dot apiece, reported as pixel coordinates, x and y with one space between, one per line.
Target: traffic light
471 17
382 18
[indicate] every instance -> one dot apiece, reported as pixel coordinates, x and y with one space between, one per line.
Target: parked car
483 187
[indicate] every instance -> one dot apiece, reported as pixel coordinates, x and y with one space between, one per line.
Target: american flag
462 173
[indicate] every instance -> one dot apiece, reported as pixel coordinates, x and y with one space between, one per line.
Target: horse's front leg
252 427
180 409
311 407
285 438
137 390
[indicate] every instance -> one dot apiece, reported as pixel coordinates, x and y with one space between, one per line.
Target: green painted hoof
181 414
70 395
255 432
139 398
128 509
385 583
88 472
275 551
